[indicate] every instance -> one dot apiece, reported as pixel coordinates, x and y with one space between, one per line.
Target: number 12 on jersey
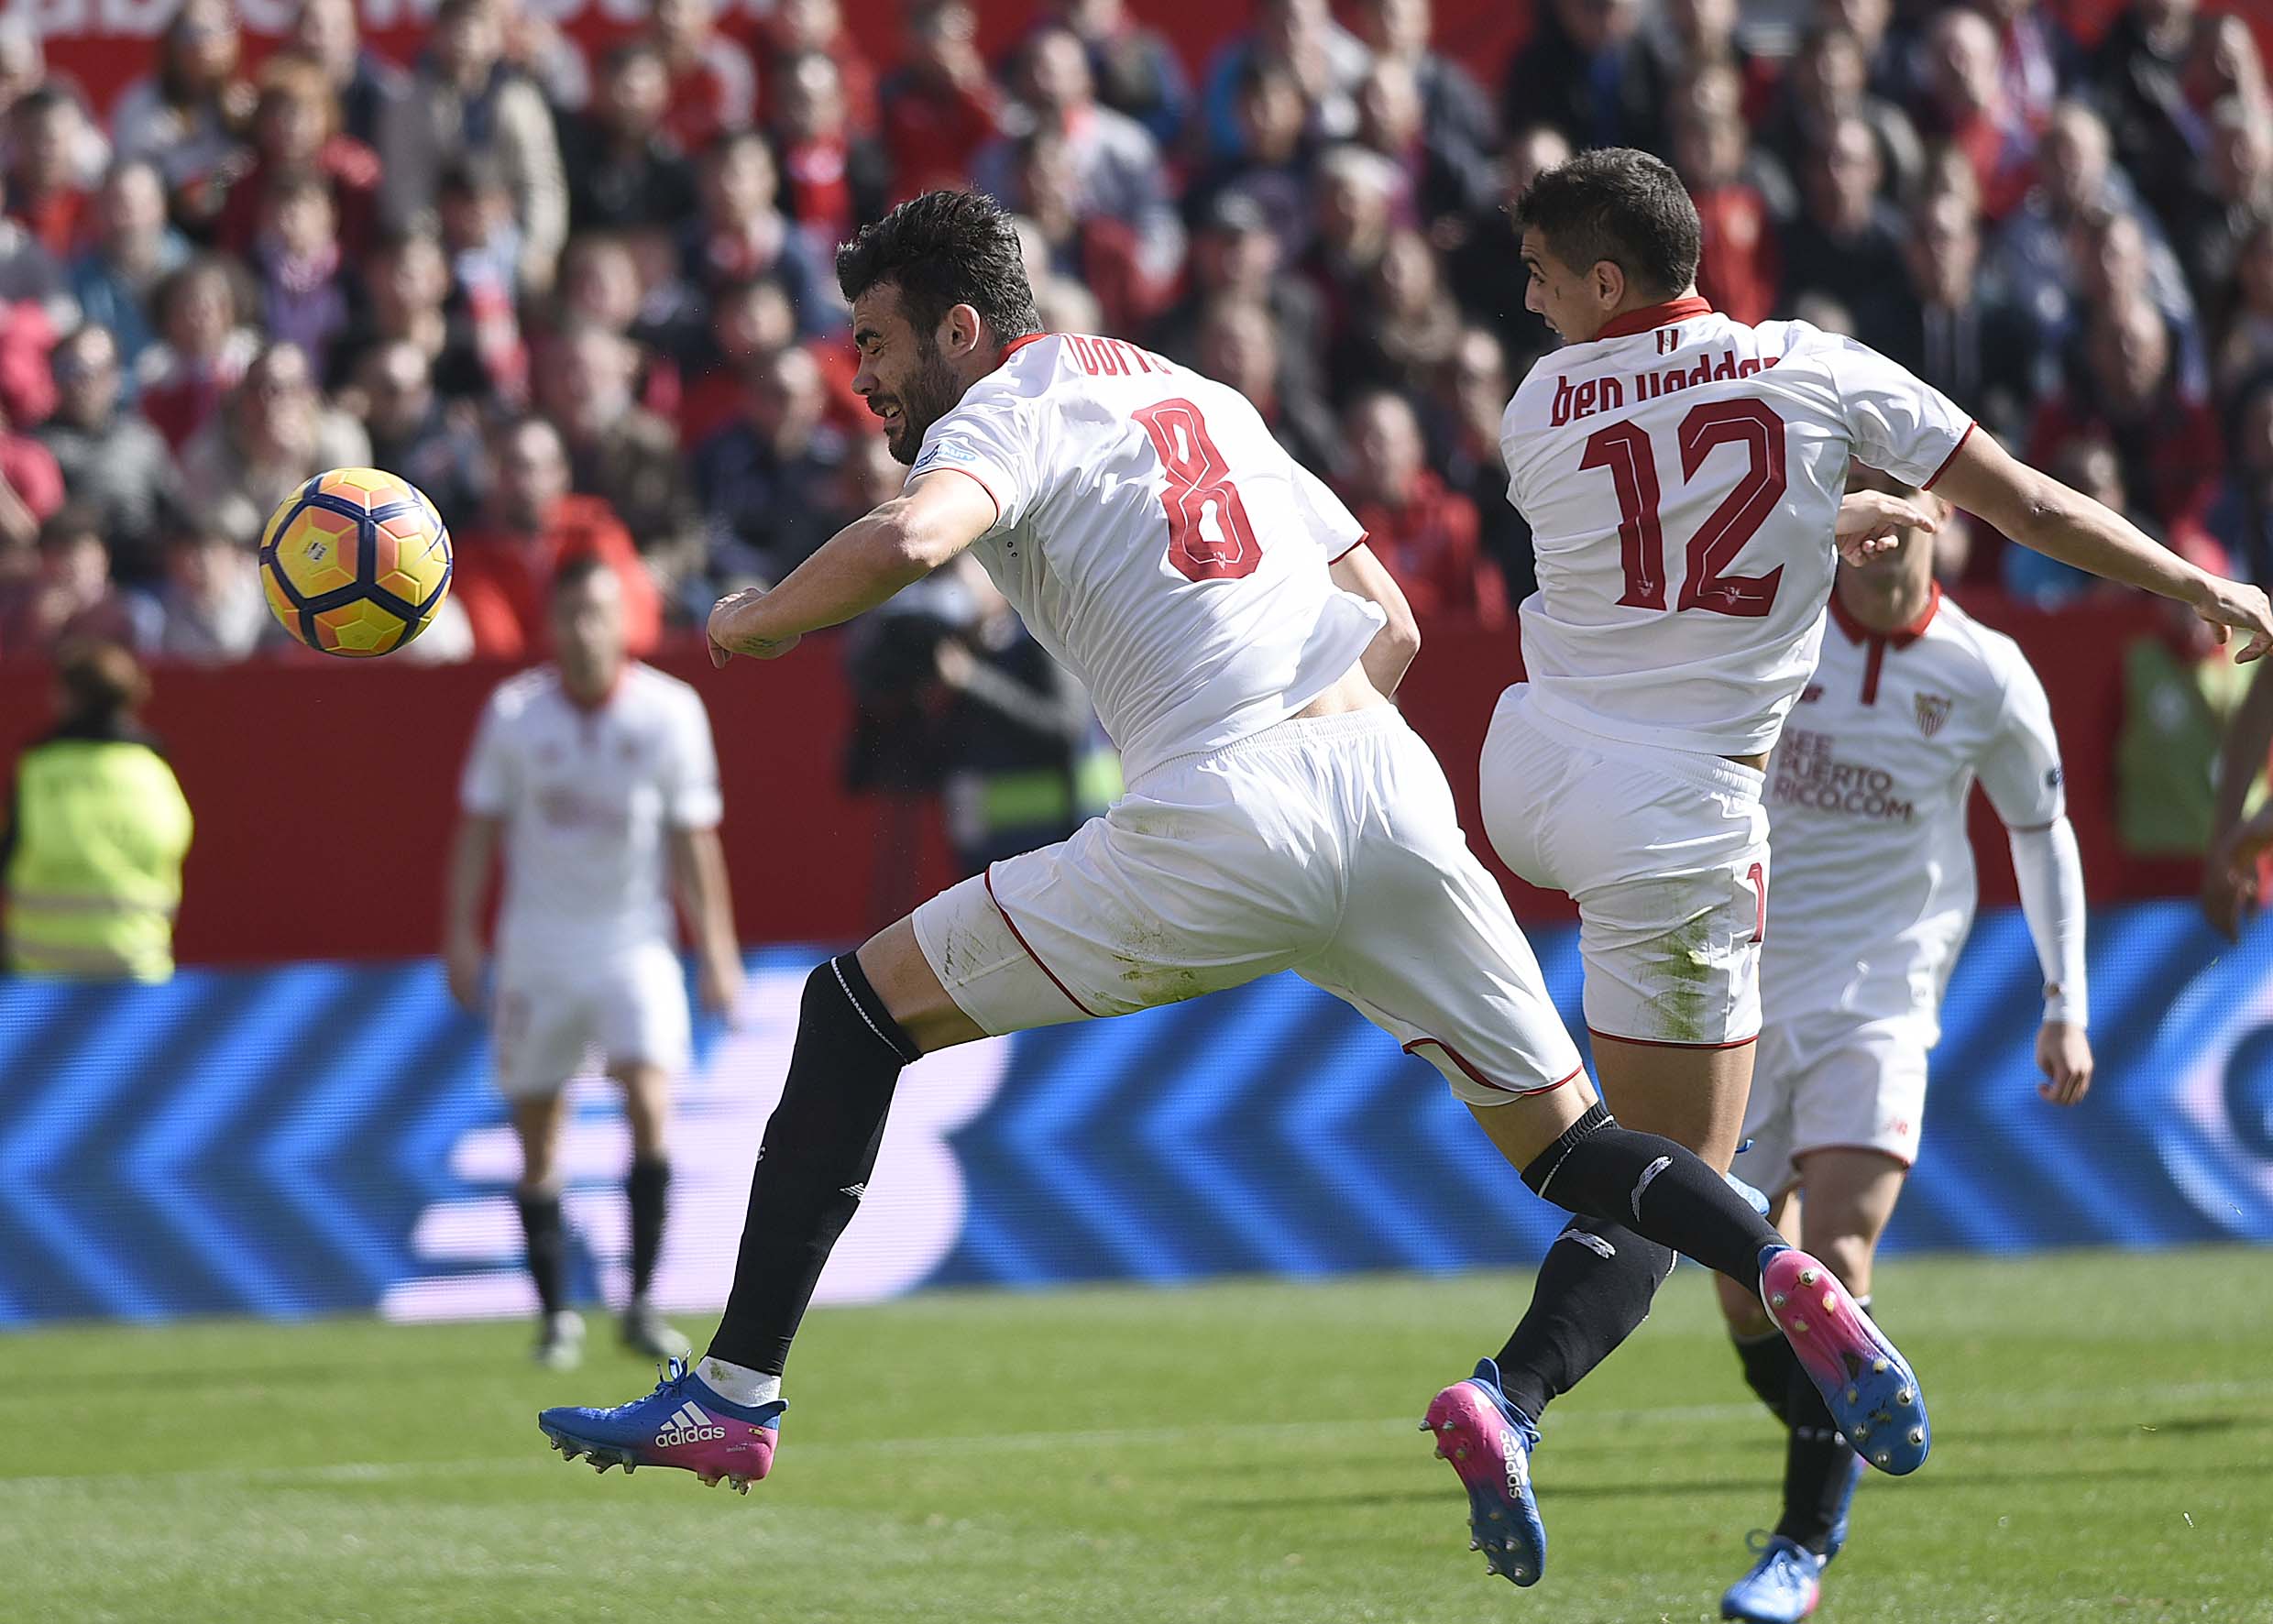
1199 478
1623 448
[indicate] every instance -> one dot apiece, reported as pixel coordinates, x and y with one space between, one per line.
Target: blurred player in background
1868 787
1240 642
1683 474
598 775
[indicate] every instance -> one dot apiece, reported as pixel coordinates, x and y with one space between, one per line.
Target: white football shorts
1666 851
561 1019
1329 847
1833 1080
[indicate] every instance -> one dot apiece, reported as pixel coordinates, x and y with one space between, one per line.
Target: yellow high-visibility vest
101 830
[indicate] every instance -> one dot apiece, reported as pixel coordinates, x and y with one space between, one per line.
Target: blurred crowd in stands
589 305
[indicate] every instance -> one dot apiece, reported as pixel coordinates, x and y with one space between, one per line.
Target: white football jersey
1682 474
1873 890
1156 540
587 796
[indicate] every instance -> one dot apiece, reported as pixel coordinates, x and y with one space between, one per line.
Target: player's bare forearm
699 861
1391 653
861 565
2047 517
2241 755
467 878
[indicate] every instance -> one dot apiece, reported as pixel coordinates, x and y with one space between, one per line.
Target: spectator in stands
2137 72
297 257
529 525
797 25
212 608
1694 36
413 432
1425 534
1488 246
2233 194
1742 269
1275 165
110 459
463 97
97 829
406 289
772 481
1238 343
1959 332
329 34
1587 71
623 168
622 452
44 189
1968 104
31 276
275 433
834 180
187 117
31 486
939 106
740 234
1300 35
203 346
1236 253
72 595
1136 70
1455 115
2241 517
1436 185
2247 349
133 248
711 85
1351 233
1097 250
1829 80
2036 57
2115 260
24 69
1847 246
2128 390
1118 168
1404 329
296 129
1468 398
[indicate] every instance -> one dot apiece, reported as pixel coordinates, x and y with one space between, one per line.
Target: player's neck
1886 606
591 690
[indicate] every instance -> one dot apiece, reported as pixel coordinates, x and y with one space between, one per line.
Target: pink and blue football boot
1866 1384
1489 1443
682 1423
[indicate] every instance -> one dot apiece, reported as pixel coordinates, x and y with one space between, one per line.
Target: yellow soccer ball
356 562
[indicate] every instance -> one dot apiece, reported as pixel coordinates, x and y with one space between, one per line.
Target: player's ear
961 330
1608 278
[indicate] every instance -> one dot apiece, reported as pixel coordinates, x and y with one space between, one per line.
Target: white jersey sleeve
1331 525
486 786
1901 425
998 446
2020 765
690 777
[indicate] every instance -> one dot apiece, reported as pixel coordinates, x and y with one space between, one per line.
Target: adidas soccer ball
356 562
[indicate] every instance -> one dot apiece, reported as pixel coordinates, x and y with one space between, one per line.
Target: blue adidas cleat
1489 1443
1783 1587
682 1423
1867 1385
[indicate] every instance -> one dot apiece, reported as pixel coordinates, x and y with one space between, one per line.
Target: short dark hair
942 249
1622 205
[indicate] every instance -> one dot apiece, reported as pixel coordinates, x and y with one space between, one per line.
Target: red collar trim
1857 632
1654 315
1016 345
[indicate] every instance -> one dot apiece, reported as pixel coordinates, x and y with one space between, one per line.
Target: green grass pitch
1247 1451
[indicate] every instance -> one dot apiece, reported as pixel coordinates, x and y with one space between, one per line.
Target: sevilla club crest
1933 709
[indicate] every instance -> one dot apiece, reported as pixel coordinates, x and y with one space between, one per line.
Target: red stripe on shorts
1481 1080
1020 936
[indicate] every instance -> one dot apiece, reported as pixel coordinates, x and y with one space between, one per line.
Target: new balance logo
689 1425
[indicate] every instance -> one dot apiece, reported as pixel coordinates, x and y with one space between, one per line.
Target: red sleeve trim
988 880
1951 457
1353 547
1662 1043
974 479
1481 1080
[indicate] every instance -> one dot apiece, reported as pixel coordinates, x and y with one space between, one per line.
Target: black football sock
648 1185
813 1165
1818 1463
1769 1366
548 1243
1593 1291
1655 1187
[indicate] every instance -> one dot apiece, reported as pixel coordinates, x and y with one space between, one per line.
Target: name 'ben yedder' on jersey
1681 475
1156 540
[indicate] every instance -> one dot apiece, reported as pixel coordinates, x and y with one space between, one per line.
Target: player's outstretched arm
467 880
937 516
1391 654
698 868
2042 514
